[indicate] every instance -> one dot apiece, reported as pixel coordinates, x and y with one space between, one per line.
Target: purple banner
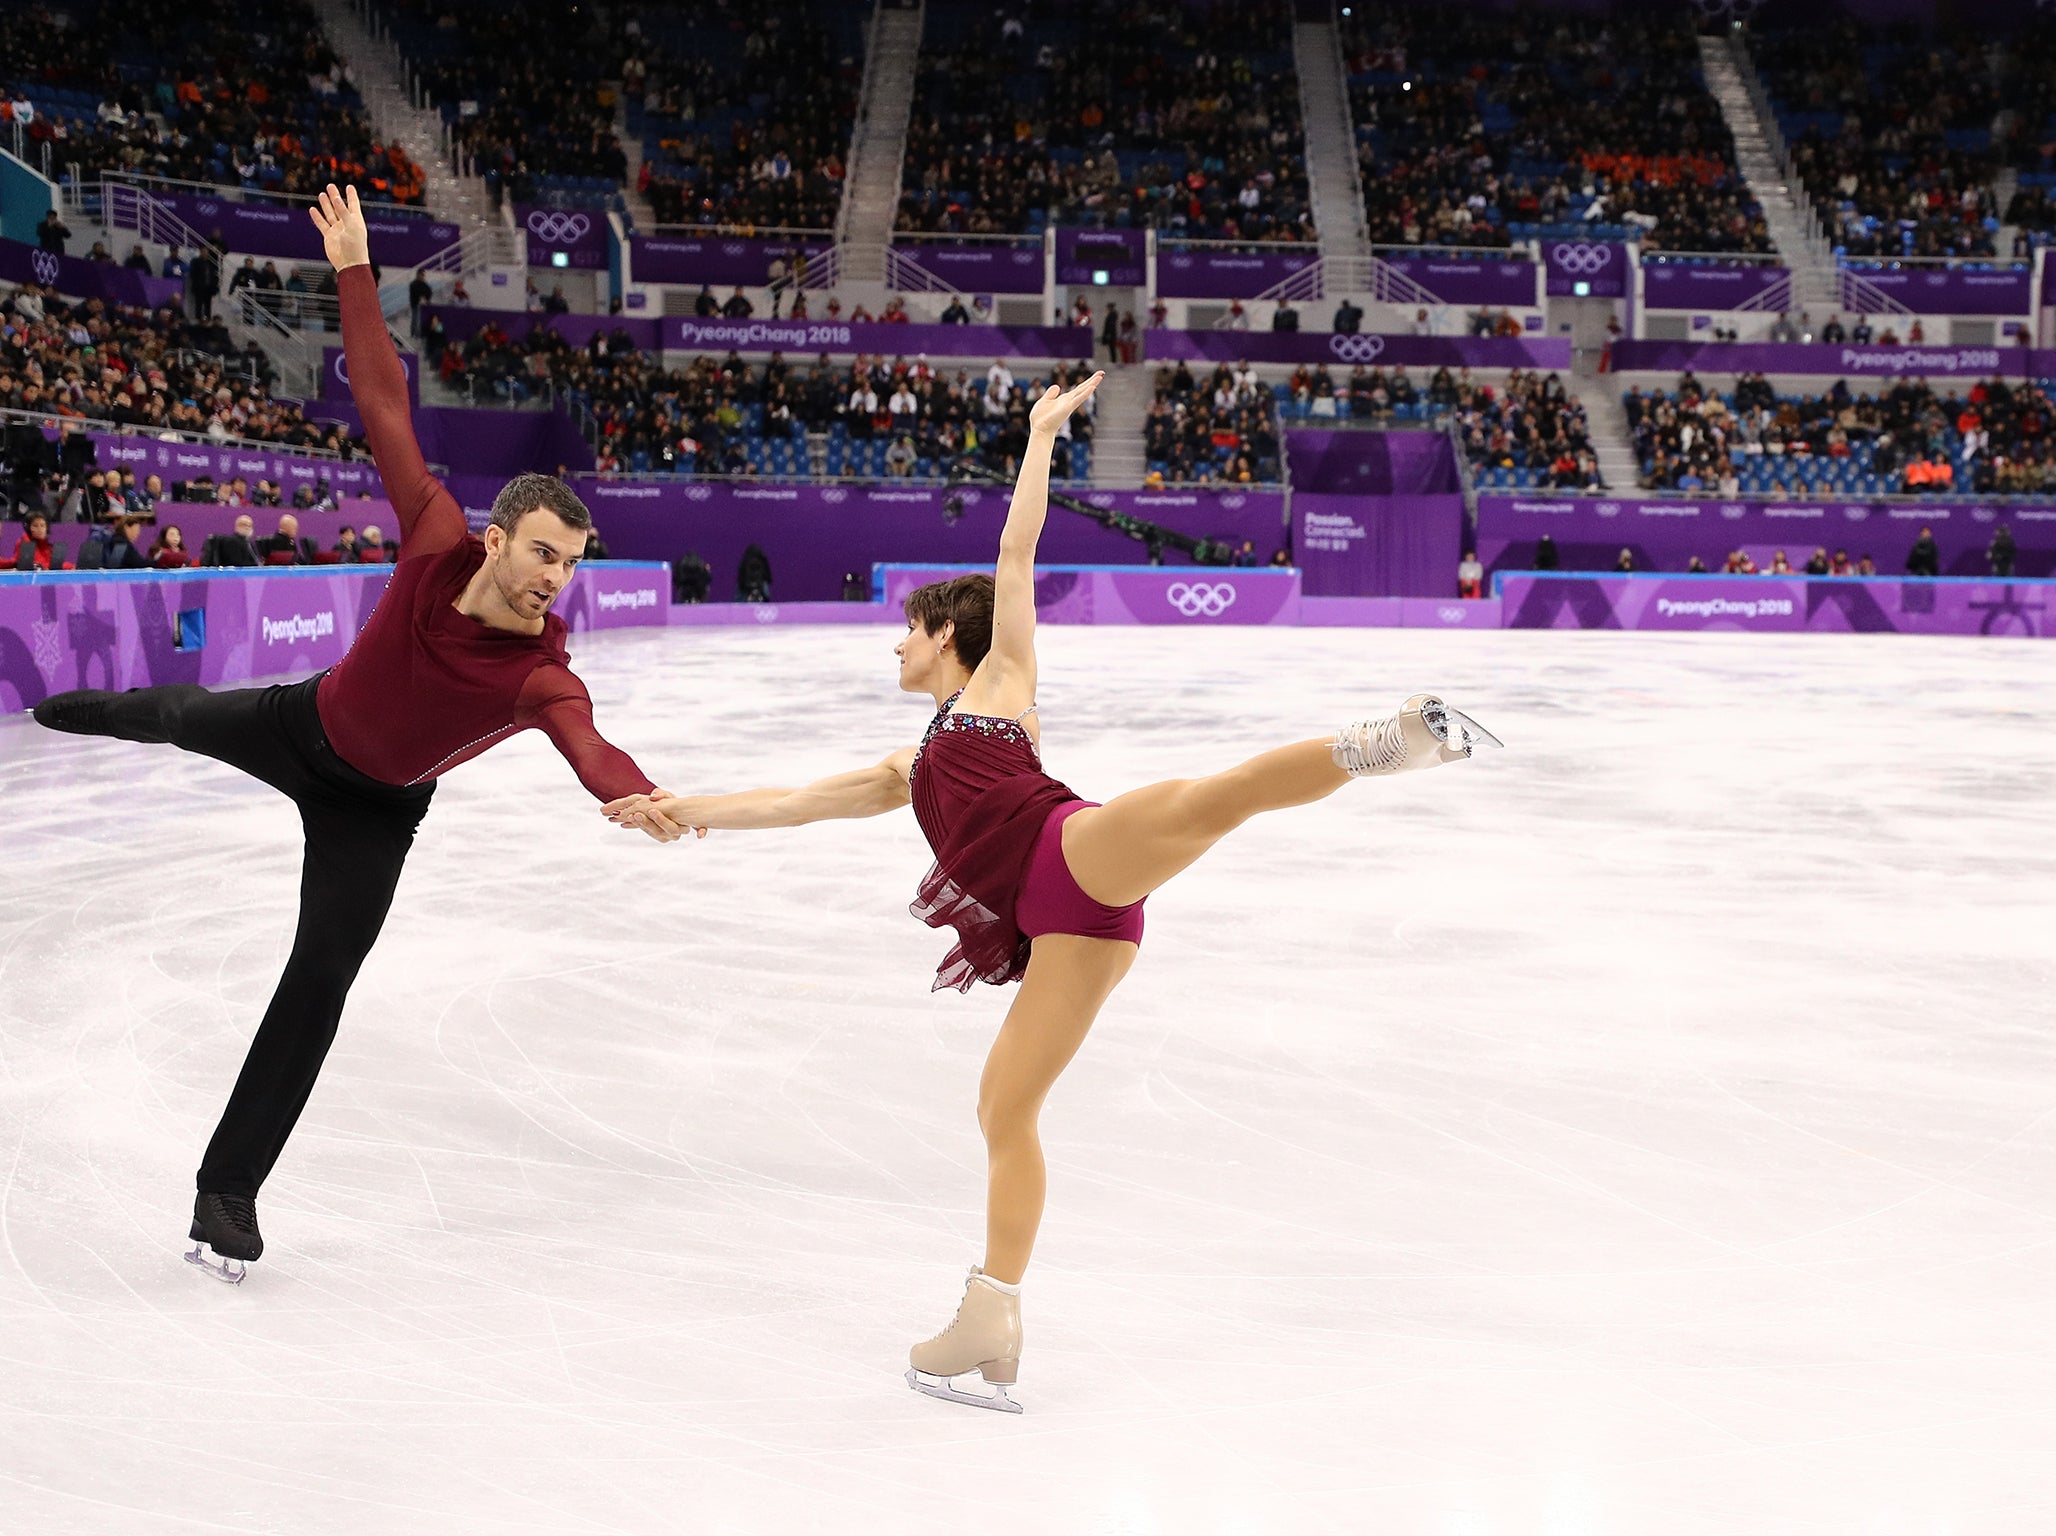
1371 463
1490 284
979 268
1825 361
1780 605
1941 290
285 230
476 440
172 462
579 235
1204 598
1587 268
1226 274
1112 258
1590 533
1666 285
463 324
335 375
1338 349
728 261
1378 546
816 535
80 279
808 336
123 630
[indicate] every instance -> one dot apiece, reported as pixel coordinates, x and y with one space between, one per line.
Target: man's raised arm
430 519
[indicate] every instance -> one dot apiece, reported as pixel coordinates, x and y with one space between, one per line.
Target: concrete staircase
1119 459
402 114
1760 153
1332 177
870 197
640 211
1612 445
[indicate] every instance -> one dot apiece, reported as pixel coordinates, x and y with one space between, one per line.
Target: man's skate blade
228 1271
939 1386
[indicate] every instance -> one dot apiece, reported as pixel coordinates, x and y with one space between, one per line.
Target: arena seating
247 95
1891 131
746 118
149 371
1184 118
1477 129
1222 428
1990 437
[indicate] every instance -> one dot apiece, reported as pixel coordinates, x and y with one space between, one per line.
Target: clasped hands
655 813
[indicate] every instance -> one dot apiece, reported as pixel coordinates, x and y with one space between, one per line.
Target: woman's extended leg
1067 981
1121 851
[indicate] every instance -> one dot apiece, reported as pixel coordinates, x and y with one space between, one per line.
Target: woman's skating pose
1041 886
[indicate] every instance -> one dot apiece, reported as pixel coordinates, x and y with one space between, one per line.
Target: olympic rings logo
1355 348
45 265
1581 260
1200 599
554 228
1449 615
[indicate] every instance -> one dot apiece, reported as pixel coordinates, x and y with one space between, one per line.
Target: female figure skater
1041 886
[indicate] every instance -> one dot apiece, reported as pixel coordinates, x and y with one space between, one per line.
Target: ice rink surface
1647 1132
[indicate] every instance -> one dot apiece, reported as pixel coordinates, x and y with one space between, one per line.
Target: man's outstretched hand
639 813
340 219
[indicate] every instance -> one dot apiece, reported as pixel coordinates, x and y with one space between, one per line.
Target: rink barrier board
1202 596
132 629
1945 605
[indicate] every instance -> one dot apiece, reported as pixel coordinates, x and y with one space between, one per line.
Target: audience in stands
1183 117
1478 127
248 95
1223 429
1533 427
1891 131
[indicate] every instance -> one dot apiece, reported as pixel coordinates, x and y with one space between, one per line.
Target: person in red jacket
460 653
33 551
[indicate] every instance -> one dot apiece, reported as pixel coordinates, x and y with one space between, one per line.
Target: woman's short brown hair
965 601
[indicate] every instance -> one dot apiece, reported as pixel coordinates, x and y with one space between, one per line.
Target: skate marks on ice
1644 1127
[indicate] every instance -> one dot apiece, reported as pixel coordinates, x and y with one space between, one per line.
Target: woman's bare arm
844 796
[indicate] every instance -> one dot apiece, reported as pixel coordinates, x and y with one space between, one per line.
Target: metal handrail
736 231
1520 250
145 181
944 237
1996 263
1732 258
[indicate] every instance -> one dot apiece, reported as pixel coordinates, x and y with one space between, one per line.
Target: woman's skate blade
942 1387
228 1271
1465 734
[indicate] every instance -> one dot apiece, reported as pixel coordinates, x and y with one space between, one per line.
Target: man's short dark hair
538 493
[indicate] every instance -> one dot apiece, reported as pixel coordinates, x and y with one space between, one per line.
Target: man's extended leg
355 850
243 727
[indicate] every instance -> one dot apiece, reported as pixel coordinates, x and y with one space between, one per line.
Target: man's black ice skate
82 712
228 1225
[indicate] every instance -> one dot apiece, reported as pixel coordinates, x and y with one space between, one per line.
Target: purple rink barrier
580 234
284 229
123 630
1398 612
199 521
1589 268
1666 285
1378 546
815 535
1185 274
1893 362
463 324
1591 532
746 615
1942 290
1489 284
173 462
1084 254
335 375
686 334
979 268
1340 350
1779 604
725 261
1371 463
1110 594
81 279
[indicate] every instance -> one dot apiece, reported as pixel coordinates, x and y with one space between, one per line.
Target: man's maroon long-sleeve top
426 688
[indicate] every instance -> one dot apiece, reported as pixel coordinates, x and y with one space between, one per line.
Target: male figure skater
461 652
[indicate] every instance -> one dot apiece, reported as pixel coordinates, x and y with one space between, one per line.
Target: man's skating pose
461 652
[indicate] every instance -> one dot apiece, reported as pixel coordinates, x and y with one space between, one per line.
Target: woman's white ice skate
985 1336
1424 734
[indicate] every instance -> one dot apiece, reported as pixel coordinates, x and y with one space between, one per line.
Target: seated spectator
234 549
1779 565
346 544
1817 562
33 551
372 548
285 547
1470 575
168 550
1625 563
1925 557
